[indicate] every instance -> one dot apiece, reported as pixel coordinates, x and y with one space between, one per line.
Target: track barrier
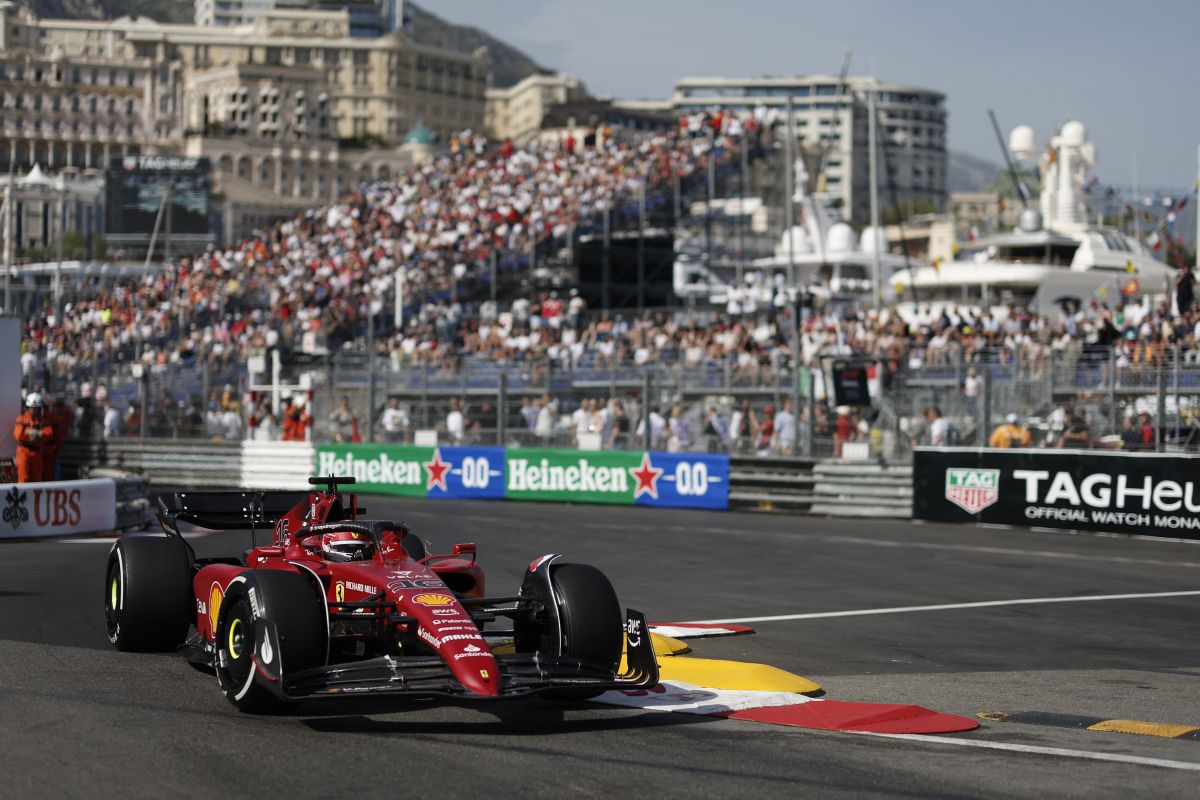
669 480
61 508
1085 490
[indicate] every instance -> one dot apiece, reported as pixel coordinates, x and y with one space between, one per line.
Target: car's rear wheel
148 600
291 602
587 613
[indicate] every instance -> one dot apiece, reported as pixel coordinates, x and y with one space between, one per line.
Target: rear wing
225 511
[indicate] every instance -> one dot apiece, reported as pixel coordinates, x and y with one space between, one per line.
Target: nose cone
448 630
475 667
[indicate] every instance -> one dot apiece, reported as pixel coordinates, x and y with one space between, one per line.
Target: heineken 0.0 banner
445 472
1092 490
679 480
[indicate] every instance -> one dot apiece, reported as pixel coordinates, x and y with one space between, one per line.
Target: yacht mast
872 143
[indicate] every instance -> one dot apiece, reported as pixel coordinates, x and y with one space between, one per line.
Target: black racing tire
289 600
591 619
591 615
148 599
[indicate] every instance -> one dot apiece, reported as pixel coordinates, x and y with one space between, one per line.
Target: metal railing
501 401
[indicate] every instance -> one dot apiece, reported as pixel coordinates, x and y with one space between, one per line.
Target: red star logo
647 478
436 470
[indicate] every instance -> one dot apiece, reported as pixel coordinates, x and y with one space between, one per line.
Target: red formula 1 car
339 605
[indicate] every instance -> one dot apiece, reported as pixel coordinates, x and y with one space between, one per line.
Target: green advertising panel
379 468
571 476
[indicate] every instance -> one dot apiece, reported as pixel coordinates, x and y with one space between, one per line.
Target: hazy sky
1126 70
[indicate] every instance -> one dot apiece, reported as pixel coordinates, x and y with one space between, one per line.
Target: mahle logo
972 490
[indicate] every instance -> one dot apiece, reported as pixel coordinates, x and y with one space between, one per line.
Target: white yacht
1055 255
824 258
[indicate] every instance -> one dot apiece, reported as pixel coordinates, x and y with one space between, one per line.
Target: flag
1154 240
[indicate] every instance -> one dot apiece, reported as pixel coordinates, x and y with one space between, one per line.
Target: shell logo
215 595
433 599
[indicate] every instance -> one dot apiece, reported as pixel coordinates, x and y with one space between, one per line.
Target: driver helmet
33 400
345 546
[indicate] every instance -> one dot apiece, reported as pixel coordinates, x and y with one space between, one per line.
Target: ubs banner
53 509
1073 489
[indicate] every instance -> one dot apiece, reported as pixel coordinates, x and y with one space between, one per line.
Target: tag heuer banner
680 480
1092 490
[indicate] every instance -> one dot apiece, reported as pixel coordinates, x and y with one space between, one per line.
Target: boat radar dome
840 238
1030 220
872 240
1022 142
1073 134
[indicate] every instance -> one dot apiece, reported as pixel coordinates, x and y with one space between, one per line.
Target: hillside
966 173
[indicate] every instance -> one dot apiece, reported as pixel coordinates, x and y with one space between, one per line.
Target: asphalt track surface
79 719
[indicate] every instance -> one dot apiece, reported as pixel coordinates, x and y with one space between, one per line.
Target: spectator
133 419
1185 291
716 430
112 423
529 412
844 429
264 424
456 426
231 424
940 431
1077 434
485 426
680 431
785 430
212 421
1010 434
618 436
344 422
972 386
651 437
741 427
394 422
547 420
766 432
190 424
1131 434
581 419
296 420
1147 431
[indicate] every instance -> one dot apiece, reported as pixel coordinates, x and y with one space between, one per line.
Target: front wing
522 674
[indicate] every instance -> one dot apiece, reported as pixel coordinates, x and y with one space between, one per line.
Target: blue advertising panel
682 480
467 473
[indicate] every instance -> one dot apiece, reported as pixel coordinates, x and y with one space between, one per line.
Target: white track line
1012 551
865 612
1045 751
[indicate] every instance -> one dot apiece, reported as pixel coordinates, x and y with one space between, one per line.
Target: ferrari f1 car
339 605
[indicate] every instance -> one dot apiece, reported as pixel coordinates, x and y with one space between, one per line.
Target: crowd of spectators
312 280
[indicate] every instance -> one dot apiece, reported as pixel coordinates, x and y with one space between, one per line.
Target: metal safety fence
1081 397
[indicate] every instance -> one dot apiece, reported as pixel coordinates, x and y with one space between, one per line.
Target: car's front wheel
289 601
582 619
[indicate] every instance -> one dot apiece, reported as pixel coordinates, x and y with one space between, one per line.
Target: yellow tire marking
235 649
1142 728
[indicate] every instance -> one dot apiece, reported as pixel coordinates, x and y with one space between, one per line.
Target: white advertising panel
54 509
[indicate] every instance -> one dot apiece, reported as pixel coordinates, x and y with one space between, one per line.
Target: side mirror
466 548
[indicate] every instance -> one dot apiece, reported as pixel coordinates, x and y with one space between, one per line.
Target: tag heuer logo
972 490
